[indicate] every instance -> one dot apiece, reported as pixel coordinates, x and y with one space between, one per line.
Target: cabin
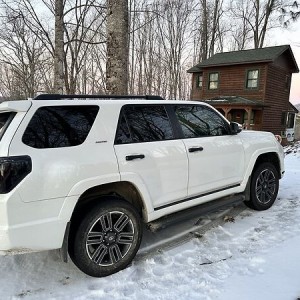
251 87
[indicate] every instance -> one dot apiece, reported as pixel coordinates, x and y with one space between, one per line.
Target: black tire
107 238
264 187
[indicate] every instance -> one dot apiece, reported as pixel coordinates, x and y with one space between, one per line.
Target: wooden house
251 87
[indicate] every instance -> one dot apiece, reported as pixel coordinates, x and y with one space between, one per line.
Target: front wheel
107 238
264 187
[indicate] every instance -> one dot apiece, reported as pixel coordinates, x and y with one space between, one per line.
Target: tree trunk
204 35
59 48
117 47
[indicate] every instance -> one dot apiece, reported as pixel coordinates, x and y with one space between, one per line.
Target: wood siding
232 82
276 98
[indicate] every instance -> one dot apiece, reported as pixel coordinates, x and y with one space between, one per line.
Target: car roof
24 105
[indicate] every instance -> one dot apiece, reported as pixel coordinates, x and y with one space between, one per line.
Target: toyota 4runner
83 173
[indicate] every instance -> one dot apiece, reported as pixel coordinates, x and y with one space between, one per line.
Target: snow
254 257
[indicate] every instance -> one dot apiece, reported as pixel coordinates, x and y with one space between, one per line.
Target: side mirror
235 127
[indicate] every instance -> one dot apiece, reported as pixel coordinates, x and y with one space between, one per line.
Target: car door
149 155
216 157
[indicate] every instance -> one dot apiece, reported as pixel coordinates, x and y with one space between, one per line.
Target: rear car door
216 158
150 155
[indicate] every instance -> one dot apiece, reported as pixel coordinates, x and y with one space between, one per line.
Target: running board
195 211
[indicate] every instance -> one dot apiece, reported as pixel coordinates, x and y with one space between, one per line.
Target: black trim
132 157
195 197
59 97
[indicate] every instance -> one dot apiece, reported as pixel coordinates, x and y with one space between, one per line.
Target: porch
246 112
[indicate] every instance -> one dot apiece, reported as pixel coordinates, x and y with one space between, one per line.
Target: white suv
84 172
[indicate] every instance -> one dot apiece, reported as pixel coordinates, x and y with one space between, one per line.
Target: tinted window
59 126
197 121
123 135
144 124
5 119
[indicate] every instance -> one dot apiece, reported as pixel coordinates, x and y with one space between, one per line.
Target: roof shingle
268 54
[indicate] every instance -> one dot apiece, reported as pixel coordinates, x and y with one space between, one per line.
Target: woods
74 46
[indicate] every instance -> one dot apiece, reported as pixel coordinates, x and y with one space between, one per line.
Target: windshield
5 119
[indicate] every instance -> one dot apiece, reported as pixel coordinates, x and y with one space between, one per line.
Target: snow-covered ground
255 257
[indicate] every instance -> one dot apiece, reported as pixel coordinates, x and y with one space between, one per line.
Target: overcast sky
291 37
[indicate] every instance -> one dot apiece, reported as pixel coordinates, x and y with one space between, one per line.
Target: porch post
249 111
226 111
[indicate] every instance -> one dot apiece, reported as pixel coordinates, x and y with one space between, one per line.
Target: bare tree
209 28
22 56
258 16
290 12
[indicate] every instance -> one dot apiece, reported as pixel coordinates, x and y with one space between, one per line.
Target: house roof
233 101
293 108
268 54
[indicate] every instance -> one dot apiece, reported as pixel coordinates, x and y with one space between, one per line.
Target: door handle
195 149
135 156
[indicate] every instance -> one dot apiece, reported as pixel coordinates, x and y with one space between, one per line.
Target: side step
195 211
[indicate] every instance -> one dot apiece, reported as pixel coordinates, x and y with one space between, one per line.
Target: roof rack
60 97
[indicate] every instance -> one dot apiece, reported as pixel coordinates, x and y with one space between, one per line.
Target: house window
290 120
283 118
199 81
213 81
252 79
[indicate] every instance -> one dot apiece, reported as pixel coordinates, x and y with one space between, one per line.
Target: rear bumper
30 227
32 237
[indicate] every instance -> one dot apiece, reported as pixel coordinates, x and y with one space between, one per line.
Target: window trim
246 79
208 81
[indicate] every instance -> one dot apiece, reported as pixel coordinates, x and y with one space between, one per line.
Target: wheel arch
271 157
122 190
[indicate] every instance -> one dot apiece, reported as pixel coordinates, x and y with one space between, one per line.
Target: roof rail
60 97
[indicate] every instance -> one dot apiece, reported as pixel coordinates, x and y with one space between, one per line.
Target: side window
123 135
59 126
5 119
144 124
199 121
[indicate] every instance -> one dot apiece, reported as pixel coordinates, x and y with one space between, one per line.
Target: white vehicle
83 173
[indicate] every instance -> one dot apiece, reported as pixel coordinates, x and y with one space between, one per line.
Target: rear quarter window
5 119
60 126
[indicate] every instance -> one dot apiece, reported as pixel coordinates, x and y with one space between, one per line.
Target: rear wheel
107 238
264 187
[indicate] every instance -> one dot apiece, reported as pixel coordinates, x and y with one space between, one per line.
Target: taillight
12 171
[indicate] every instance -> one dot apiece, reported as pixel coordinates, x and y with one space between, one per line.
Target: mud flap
63 251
